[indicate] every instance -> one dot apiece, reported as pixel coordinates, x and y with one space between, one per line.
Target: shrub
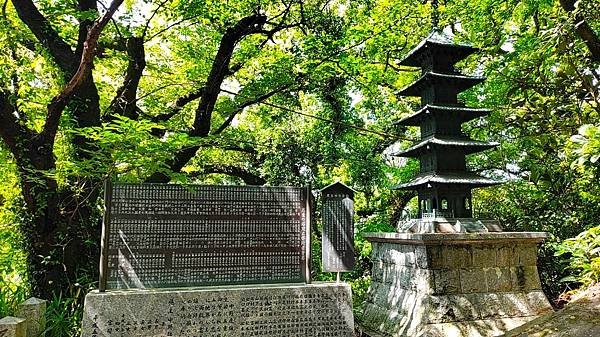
583 256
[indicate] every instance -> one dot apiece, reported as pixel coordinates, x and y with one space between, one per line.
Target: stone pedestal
34 312
312 310
467 284
12 327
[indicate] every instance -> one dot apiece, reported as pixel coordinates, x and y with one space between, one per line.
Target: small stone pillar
34 311
12 327
452 285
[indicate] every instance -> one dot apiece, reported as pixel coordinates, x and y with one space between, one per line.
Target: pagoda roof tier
469 145
457 81
437 43
447 178
463 113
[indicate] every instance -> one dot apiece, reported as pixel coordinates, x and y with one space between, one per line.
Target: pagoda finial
435 15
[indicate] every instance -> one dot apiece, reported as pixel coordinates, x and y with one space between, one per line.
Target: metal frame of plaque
337 250
168 235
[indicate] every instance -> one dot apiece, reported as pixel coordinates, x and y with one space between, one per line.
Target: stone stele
452 285
34 312
311 310
12 327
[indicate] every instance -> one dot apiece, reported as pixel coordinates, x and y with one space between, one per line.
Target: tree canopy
292 92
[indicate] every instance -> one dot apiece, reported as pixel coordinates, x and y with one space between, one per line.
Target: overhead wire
323 119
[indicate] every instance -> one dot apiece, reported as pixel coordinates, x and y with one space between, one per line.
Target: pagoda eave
467 145
435 179
439 43
464 114
456 81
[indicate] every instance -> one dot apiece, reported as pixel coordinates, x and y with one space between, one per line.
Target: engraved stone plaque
338 228
166 235
312 310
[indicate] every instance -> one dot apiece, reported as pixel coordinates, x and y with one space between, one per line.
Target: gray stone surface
33 311
320 309
13 327
452 285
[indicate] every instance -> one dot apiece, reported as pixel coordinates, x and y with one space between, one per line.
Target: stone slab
455 238
33 311
13 327
312 310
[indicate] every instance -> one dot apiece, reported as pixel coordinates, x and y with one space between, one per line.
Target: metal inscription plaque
338 228
166 235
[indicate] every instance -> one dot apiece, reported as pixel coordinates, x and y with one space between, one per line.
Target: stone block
13 327
532 278
323 309
452 308
484 257
447 281
457 257
472 281
435 258
33 311
505 256
421 258
515 304
488 305
498 279
525 278
527 255
538 303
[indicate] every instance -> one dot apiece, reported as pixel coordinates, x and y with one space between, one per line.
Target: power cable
351 126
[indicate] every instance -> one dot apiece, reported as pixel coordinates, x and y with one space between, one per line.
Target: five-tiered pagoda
444 184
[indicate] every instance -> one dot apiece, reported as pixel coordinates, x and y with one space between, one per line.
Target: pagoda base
434 285
449 225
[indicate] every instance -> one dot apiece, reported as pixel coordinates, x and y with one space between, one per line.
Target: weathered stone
527 255
13 327
33 311
498 279
457 257
456 287
435 258
447 281
472 281
484 257
320 309
505 256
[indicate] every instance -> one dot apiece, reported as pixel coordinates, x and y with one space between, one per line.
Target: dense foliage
272 92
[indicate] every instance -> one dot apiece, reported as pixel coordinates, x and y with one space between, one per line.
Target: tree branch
583 29
59 102
220 68
248 177
179 104
84 25
124 102
11 131
40 27
246 104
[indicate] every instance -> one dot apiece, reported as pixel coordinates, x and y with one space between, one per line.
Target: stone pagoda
445 273
444 185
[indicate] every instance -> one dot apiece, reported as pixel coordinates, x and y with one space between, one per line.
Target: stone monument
13 327
33 310
446 273
211 261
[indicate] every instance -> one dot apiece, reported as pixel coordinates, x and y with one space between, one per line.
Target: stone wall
452 288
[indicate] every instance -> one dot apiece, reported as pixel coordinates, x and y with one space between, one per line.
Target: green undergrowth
582 253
